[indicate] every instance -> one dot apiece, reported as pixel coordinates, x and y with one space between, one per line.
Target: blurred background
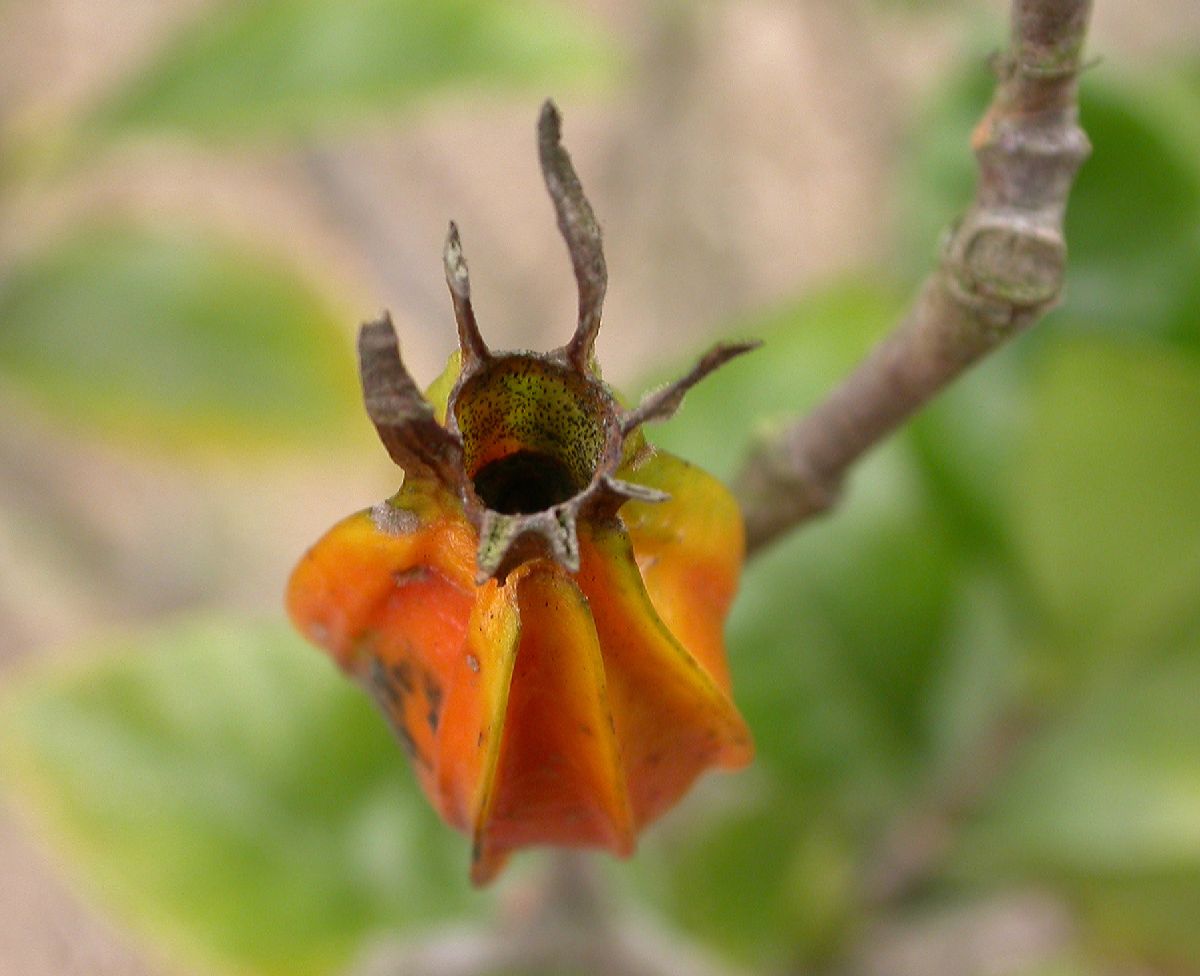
975 687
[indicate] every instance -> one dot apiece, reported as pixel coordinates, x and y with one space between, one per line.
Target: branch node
1004 258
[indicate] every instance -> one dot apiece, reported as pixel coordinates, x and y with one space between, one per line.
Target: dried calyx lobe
531 441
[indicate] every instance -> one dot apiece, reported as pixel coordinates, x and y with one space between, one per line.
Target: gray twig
1001 269
573 926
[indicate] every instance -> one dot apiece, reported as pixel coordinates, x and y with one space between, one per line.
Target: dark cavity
524 482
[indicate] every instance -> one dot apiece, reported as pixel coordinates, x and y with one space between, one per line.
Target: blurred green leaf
1107 806
1177 98
1183 322
230 794
1132 237
978 679
836 637
966 442
765 881
174 337
1105 495
286 67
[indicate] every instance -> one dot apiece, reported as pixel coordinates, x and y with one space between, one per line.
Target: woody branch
571 924
1001 269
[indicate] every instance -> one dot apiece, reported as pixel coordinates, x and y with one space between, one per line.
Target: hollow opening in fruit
525 482
533 432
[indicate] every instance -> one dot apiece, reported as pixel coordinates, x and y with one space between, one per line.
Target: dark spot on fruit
402 671
406 740
386 690
433 690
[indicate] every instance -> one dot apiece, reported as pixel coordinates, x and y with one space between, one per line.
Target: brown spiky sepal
402 416
578 226
532 442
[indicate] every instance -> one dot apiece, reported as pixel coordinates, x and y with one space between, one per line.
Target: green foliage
1129 234
174 336
1105 805
1105 496
768 879
271 68
225 789
1107 808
